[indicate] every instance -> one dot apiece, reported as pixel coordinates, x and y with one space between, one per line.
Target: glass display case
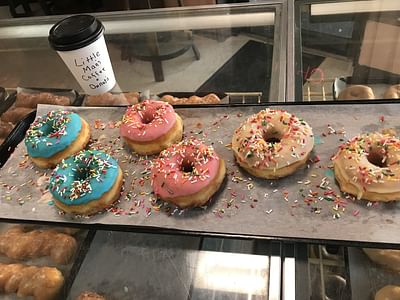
298 237
349 50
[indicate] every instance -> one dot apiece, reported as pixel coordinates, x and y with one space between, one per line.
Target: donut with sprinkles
55 136
368 167
272 144
187 174
86 183
151 126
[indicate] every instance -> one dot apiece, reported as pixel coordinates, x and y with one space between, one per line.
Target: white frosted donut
272 144
356 92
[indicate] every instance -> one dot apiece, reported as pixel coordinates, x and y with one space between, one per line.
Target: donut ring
393 92
86 183
272 144
368 167
151 126
388 292
55 136
187 174
356 92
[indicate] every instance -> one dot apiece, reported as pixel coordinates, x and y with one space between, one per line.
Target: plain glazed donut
388 292
16 114
356 92
86 183
35 282
272 144
387 258
32 100
151 126
55 136
368 167
208 99
108 99
187 174
393 92
5 128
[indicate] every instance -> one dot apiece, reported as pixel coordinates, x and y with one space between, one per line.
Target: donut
387 258
86 183
368 167
272 144
393 92
388 292
356 92
32 100
187 174
55 136
208 99
108 99
16 114
5 128
151 126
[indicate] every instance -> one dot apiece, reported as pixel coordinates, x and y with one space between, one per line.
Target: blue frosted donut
52 133
83 177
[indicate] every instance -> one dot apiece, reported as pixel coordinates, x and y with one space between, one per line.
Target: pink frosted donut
151 126
187 174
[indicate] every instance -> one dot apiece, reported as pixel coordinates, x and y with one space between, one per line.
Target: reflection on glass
232 272
350 51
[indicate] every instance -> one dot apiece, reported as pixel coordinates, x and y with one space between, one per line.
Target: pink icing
169 179
147 121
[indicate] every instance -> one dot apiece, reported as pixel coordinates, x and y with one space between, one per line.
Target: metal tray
244 206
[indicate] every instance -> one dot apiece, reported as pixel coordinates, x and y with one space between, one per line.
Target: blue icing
52 133
84 177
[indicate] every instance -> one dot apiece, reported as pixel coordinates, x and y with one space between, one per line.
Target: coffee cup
79 40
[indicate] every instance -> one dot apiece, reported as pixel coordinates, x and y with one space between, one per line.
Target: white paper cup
79 41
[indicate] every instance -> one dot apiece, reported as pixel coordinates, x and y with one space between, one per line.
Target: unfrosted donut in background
356 92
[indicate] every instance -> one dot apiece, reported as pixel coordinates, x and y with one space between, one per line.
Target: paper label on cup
91 67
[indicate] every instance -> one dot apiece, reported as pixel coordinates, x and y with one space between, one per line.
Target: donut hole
272 140
49 129
147 118
187 166
272 137
377 159
81 174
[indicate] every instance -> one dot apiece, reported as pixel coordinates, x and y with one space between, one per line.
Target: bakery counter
347 50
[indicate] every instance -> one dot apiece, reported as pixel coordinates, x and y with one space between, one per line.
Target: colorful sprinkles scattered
317 192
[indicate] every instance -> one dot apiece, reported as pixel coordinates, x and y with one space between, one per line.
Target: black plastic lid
75 32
